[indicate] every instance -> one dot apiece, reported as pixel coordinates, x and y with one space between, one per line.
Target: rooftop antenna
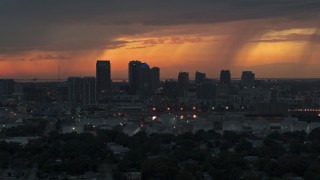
59 73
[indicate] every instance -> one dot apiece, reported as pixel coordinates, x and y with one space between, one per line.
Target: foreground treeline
164 156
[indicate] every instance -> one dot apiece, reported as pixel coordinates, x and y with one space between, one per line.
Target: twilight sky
273 38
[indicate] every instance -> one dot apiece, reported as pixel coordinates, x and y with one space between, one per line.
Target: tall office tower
183 84
248 79
225 77
134 68
199 77
88 90
103 77
144 80
6 87
155 78
74 89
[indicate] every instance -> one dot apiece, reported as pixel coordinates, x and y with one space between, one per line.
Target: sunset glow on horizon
250 42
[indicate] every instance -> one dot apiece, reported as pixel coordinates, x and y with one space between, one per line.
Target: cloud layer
206 34
82 24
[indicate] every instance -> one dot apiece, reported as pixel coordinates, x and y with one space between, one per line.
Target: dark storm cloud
45 57
83 24
165 12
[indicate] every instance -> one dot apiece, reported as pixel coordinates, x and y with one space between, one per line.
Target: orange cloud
174 40
206 48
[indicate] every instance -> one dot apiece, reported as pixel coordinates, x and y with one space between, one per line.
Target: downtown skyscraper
199 77
143 80
183 84
155 78
248 79
103 78
225 77
134 68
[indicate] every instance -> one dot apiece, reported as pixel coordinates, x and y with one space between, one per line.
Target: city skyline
167 89
193 75
274 39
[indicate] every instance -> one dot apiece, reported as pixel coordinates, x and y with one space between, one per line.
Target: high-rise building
248 79
103 77
6 87
82 90
199 77
74 89
183 84
88 90
225 77
144 80
134 68
155 78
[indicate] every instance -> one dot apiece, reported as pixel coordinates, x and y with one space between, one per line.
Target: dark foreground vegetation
164 156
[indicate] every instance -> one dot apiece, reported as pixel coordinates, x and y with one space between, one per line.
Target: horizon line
162 79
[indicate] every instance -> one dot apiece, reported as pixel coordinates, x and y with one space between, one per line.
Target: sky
273 38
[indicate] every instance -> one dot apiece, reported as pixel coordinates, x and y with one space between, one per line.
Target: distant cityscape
159 90
144 85
119 127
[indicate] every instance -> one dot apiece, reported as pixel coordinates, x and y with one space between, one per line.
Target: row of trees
166 156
